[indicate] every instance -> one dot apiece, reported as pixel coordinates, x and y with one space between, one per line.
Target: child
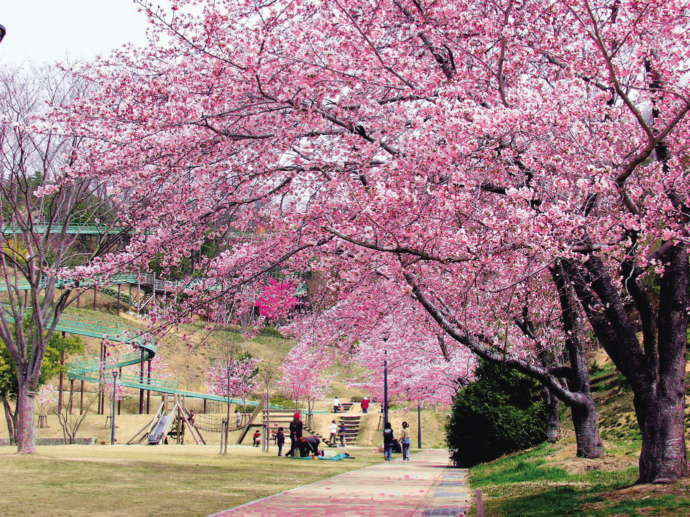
257 438
280 440
341 432
405 439
333 429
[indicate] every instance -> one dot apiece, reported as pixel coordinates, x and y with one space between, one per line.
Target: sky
45 31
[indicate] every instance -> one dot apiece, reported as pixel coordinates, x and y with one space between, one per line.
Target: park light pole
385 389
112 414
419 424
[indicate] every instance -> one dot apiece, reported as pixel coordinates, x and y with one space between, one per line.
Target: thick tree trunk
553 417
660 407
663 458
586 424
11 418
657 371
26 442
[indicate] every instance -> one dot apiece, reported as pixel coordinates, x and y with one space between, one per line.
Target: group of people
307 445
389 441
338 407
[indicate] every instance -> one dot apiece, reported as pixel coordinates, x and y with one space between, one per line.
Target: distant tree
57 346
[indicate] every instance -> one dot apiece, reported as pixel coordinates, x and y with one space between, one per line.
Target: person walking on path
341 432
296 428
333 430
238 418
257 438
405 441
336 404
365 405
388 441
280 440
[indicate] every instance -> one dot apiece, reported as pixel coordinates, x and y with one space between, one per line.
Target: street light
112 414
385 389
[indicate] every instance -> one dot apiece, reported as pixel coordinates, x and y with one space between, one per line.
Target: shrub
500 412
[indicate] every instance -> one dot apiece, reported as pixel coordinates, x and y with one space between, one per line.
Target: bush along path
419 488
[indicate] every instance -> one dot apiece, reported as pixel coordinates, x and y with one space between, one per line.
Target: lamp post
385 388
3 31
419 424
112 414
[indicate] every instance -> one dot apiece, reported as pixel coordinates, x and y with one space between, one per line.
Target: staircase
346 406
351 428
279 418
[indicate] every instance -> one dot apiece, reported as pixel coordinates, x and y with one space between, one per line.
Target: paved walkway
422 487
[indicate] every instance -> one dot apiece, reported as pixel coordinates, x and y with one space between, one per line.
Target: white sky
45 31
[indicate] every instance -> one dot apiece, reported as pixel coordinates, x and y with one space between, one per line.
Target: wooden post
141 381
267 424
479 503
204 406
148 392
71 395
81 398
94 297
101 392
118 296
119 402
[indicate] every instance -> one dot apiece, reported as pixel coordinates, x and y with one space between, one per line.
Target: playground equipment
171 420
95 370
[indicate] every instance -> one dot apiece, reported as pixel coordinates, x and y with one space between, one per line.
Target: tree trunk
25 420
11 418
663 458
660 407
657 372
583 412
553 417
586 423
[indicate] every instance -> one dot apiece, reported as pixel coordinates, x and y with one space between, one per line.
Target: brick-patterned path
421 487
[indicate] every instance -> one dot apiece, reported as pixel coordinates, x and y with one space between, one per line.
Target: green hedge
500 412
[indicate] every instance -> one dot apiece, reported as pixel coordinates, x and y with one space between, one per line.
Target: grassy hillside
549 480
187 352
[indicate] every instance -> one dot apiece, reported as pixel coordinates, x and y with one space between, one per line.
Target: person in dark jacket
309 445
388 441
296 428
341 433
280 440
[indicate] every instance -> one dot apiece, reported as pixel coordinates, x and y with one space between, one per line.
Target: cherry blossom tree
302 375
277 299
471 158
234 378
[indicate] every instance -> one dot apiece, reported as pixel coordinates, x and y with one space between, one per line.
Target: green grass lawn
71 481
539 483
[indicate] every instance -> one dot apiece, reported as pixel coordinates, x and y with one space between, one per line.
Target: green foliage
279 400
500 412
51 361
